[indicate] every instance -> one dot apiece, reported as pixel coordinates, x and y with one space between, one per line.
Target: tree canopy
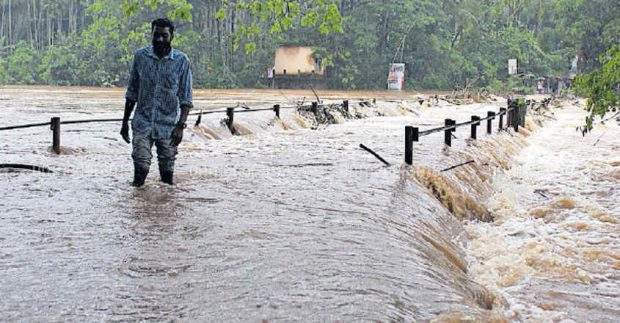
444 43
601 87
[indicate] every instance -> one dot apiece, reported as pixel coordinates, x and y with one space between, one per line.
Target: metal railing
515 114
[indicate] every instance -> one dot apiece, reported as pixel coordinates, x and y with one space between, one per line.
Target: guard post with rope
55 122
516 112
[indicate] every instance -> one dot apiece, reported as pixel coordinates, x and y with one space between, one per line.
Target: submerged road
285 223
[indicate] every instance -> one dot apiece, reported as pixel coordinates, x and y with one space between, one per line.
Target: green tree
444 44
278 16
20 66
601 87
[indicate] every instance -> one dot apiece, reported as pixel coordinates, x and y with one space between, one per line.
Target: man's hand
129 104
125 131
177 133
176 137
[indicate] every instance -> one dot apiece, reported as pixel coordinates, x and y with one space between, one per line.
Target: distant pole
447 134
491 116
502 112
230 112
523 105
474 125
276 108
509 115
409 145
55 126
515 121
199 120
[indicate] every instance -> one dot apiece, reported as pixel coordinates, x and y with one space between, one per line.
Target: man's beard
161 48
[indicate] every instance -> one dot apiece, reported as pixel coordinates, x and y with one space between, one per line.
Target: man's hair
163 22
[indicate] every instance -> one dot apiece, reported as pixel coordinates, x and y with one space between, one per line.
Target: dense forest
444 43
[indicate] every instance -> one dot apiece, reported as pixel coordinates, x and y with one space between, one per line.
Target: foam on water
292 221
552 249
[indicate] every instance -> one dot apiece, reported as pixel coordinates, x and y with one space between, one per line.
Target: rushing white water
553 250
292 221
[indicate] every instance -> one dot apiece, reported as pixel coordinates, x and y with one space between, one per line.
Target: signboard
396 78
512 66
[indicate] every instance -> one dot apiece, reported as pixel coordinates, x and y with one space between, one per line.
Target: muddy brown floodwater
292 221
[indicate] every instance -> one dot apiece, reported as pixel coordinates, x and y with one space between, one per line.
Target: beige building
296 60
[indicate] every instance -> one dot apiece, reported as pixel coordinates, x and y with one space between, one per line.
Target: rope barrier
515 113
45 124
26 126
55 122
255 110
28 167
452 127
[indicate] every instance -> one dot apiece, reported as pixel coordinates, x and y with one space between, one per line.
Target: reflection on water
288 224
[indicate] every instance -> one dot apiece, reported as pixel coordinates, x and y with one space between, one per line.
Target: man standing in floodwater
160 87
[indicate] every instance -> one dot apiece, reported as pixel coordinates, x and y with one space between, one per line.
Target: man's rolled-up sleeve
133 85
185 86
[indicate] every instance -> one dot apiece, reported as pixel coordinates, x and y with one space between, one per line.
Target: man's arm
177 132
185 99
184 113
129 105
185 85
131 96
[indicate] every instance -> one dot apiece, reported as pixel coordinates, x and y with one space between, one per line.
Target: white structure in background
396 78
574 67
512 66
